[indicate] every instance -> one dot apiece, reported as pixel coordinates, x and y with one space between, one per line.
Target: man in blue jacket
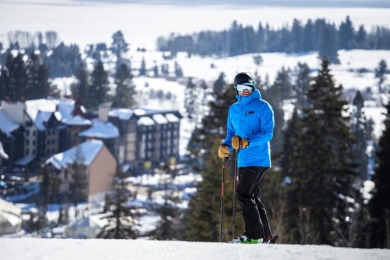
250 125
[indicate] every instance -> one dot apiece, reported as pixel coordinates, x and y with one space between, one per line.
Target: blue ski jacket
251 118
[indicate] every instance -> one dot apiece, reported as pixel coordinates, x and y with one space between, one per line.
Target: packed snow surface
58 249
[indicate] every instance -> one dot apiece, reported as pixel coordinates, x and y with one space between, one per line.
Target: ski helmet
242 78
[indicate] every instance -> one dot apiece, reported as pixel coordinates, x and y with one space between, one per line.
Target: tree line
318 35
25 78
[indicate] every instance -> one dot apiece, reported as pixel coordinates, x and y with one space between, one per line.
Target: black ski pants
248 194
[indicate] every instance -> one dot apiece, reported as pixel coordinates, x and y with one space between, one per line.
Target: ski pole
222 198
234 190
235 183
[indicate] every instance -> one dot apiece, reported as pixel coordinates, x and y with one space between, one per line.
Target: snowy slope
58 249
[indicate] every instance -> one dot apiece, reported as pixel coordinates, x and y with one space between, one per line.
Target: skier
250 125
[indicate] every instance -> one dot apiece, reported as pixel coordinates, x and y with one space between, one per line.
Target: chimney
104 109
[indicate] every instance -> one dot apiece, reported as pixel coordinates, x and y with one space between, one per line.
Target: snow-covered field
93 249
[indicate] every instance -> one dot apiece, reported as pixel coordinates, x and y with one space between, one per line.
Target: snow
147 121
85 22
95 249
40 109
172 118
160 119
101 129
76 120
88 151
7 125
2 153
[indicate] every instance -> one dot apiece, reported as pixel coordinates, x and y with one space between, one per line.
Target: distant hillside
287 3
94 249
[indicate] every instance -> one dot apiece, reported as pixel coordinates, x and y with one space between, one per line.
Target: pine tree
297 36
155 70
327 47
166 228
380 203
214 123
63 61
302 82
122 220
220 84
361 38
79 184
125 89
346 35
142 69
358 129
80 87
189 99
16 77
380 74
178 70
202 218
119 46
38 85
320 165
99 87
308 37
274 96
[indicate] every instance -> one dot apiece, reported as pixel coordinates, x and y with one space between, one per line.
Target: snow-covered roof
121 113
172 118
145 121
86 152
127 113
2 152
140 111
25 160
159 119
7 125
62 108
41 118
101 129
76 120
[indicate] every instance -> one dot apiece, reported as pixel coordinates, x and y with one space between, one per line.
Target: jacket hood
255 95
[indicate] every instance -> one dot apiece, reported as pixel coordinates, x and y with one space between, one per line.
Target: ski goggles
245 86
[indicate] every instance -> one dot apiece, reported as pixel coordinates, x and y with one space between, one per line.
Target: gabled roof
25 160
158 116
99 129
145 120
172 117
85 153
7 126
39 109
159 119
41 118
121 113
76 120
